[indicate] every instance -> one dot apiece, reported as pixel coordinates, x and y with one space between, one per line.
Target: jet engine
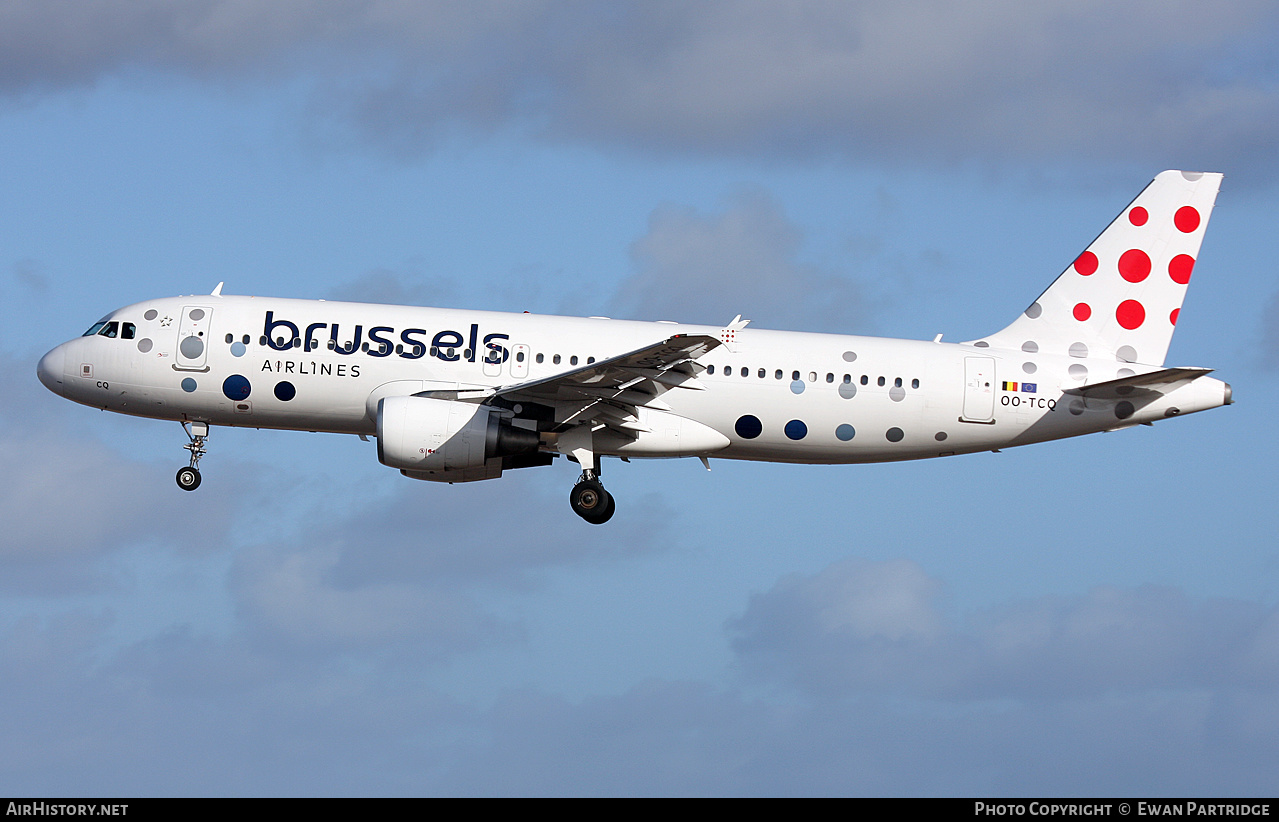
446 439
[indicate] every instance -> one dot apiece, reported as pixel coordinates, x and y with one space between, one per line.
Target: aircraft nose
51 367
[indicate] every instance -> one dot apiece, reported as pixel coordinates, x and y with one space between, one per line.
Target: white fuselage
772 395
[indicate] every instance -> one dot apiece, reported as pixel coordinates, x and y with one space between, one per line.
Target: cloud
704 268
1194 712
383 285
918 79
69 502
409 568
31 275
859 627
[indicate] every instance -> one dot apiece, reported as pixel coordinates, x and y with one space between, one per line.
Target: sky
1097 616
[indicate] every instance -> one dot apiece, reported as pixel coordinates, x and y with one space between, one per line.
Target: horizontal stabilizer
1158 382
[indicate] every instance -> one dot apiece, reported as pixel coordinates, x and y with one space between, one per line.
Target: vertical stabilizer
1121 296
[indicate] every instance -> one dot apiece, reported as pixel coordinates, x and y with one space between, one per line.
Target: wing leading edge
610 391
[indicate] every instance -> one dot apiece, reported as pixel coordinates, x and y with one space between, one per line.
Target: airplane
456 395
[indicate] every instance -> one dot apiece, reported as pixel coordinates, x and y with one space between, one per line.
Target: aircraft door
519 361
979 389
193 337
492 362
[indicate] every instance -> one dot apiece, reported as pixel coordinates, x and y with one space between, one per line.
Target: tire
591 502
188 479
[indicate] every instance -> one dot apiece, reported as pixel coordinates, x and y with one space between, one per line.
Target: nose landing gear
590 501
189 476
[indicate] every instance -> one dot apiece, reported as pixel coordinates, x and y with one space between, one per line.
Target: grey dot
1192 175
1124 410
1126 353
191 347
1078 350
150 315
1076 407
1029 367
797 386
845 432
196 314
1034 311
144 345
1078 372
981 344
941 436
894 434
188 385
897 393
238 349
1030 347
1124 372
847 390
850 356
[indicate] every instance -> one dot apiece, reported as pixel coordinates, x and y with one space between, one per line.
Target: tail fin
1121 296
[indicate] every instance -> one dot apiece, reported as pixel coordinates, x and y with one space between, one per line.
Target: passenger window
762 373
572 360
830 377
794 375
848 378
245 339
556 359
914 383
541 358
812 376
710 369
519 356
746 372
898 382
590 360
880 382
777 374
229 339
865 380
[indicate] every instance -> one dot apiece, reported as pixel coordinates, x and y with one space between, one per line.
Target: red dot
1134 265
1082 311
1086 264
1131 314
1138 216
1172 318
1179 268
1186 219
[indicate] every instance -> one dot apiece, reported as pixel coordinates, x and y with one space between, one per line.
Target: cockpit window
93 329
111 329
127 330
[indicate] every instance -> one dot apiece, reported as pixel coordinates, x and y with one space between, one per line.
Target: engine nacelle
423 434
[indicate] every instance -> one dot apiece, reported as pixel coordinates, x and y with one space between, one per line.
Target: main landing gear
590 501
189 476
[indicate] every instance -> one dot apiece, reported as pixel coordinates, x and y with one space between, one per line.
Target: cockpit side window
111 329
93 329
127 330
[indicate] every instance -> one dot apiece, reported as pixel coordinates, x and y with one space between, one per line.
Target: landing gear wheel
188 478
591 502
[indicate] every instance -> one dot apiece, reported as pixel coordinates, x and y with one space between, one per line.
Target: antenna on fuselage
217 292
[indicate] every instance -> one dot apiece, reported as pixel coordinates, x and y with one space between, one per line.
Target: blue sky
1097 616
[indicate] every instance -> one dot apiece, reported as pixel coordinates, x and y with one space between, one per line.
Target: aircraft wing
1157 382
609 391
